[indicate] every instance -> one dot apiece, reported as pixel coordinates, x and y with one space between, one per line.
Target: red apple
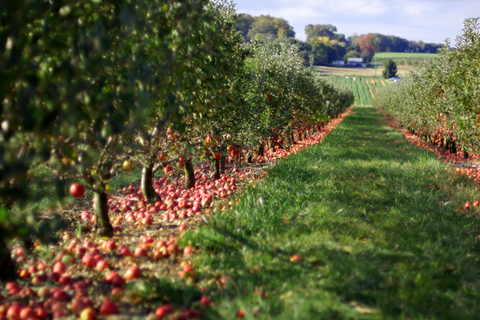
124 251
20 252
13 312
147 240
108 307
206 301
89 261
190 314
59 268
163 311
173 249
187 250
182 228
140 252
40 312
101 265
88 314
133 272
160 244
295 257
77 190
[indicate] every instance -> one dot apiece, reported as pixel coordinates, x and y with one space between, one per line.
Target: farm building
357 62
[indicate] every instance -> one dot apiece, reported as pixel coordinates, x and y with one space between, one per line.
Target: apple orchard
90 90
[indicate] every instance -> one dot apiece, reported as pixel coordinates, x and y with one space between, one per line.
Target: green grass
375 221
359 87
402 59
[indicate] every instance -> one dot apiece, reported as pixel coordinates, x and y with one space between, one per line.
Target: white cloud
416 9
347 7
427 20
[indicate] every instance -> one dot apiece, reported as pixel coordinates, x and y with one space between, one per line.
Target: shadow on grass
377 237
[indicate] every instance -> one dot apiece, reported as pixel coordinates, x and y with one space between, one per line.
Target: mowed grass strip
374 219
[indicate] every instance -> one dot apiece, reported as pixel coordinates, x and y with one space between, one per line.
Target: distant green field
406 63
402 58
363 88
405 55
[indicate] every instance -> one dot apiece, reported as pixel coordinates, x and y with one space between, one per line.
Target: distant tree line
323 41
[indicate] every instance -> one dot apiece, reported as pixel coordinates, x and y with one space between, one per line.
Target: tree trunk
103 228
453 147
292 136
147 184
7 266
249 157
286 141
222 164
216 168
189 174
260 150
239 157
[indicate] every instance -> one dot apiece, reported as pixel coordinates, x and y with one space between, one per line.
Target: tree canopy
390 69
320 30
264 26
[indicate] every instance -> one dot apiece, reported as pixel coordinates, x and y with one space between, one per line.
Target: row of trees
388 43
323 41
262 27
440 102
87 85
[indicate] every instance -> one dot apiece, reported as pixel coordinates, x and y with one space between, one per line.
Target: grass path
375 222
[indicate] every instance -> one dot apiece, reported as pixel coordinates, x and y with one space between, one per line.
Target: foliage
313 32
78 80
87 85
351 54
390 69
268 26
390 43
367 47
440 101
244 24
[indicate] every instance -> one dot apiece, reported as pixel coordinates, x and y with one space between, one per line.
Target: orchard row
90 277
441 102
90 88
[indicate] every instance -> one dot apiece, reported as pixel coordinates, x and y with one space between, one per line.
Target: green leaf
4 215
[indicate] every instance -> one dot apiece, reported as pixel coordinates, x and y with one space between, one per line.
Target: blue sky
426 20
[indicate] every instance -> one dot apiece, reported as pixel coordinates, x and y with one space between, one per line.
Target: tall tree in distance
320 30
268 26
390 69
367 47
244 23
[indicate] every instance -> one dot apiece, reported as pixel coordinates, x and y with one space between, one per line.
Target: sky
428 20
